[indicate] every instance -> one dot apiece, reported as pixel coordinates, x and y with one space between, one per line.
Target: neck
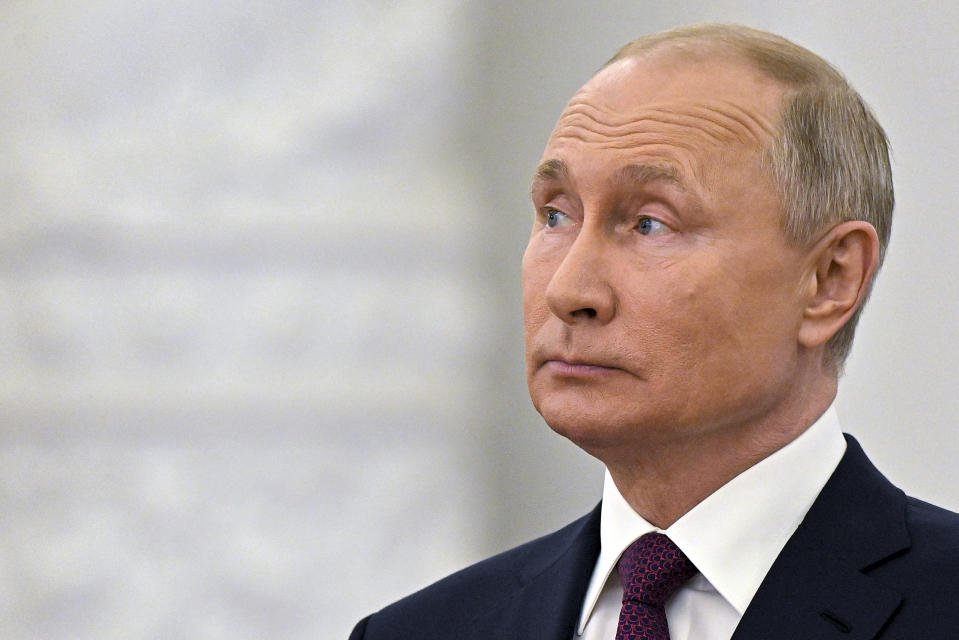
663 479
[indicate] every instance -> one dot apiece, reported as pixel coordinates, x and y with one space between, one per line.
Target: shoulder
925 575
453 602
919 541
934 534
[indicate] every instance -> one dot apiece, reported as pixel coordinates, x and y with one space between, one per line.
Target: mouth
576 369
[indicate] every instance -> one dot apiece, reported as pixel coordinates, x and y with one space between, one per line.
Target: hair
830 158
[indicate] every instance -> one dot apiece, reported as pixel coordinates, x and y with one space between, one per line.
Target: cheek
678 298
737 325
686 321
535 314
537 273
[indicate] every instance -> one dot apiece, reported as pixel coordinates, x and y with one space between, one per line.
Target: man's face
661 298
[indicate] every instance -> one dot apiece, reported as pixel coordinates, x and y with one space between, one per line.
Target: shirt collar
734 535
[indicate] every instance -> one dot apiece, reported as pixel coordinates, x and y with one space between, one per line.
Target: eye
652 227
556 218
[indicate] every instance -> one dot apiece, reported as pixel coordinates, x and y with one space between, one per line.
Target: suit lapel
819 586
547 603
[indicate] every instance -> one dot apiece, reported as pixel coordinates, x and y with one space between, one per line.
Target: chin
599 426
590 431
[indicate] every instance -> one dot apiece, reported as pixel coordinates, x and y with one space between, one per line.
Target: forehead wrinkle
755 123
639 140
588 108
718 122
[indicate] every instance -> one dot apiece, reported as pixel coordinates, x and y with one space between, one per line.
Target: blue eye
556 218
652 227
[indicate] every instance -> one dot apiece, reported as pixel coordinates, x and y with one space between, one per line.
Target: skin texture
672 331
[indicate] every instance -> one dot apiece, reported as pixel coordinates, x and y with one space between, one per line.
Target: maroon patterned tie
652 568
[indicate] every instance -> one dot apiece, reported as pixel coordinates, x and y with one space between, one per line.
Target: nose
579 290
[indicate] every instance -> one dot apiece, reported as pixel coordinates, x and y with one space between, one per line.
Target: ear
842 266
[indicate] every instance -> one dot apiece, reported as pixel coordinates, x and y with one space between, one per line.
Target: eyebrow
642 174
638 174
551 171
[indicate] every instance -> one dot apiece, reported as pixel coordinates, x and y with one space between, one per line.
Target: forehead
678 111
667 76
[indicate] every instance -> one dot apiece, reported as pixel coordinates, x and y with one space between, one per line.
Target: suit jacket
867 562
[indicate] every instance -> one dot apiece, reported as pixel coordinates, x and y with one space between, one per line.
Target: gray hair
831 157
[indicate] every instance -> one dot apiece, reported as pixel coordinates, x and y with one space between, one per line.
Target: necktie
652 568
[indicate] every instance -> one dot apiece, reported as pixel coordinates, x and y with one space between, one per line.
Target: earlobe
844 262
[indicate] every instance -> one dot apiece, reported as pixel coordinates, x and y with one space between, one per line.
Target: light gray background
261 363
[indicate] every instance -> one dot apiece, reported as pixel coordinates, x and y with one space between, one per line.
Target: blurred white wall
261 369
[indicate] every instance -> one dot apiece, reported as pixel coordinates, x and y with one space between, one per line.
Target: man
710 212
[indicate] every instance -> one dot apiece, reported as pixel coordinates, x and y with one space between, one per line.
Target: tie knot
652 568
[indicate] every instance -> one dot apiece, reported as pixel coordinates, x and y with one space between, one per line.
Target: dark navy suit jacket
867 562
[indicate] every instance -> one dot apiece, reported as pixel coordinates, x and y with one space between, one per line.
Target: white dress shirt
732 537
